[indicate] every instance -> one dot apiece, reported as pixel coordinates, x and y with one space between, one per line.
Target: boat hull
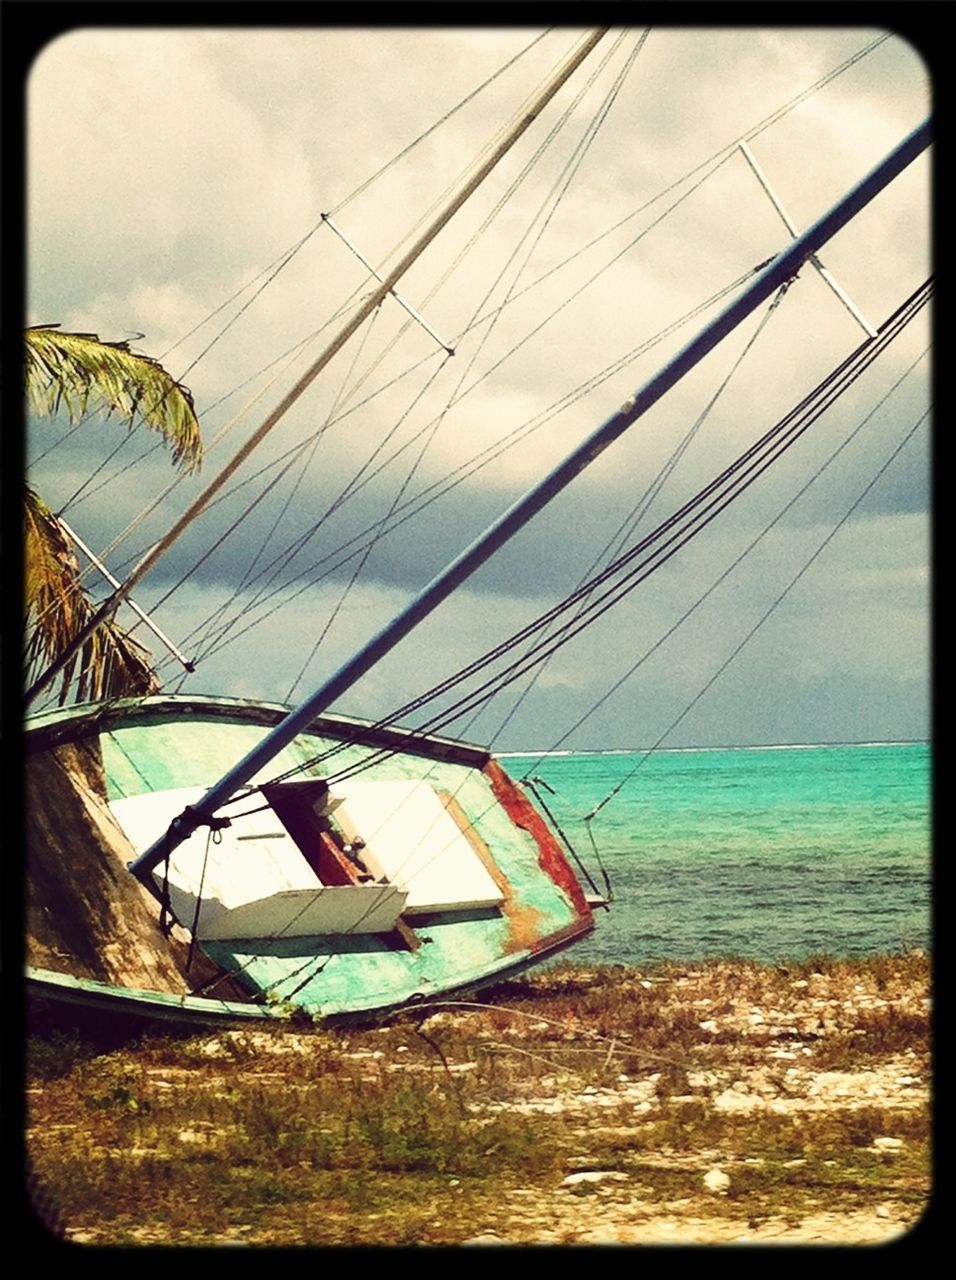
94 936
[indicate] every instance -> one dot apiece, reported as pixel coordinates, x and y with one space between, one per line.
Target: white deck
413 841
254 881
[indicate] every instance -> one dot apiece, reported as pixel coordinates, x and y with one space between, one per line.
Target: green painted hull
108 947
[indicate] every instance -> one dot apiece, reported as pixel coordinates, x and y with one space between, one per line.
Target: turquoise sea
770 853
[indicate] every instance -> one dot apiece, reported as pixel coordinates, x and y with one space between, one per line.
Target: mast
386 286
781 269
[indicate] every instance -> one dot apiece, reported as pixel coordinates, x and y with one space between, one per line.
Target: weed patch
384 1136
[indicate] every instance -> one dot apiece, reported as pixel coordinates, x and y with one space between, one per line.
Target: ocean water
769 853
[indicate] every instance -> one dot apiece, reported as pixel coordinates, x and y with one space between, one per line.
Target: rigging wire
246 511
718 499
310 457
487 150
752 133
431 493
772 119
491 315
490 217
735 479
440 722
228 634
728 152
629 525
527 168
294 352
559 186
87 489
793 582
553 199
335 612
278 264
568 173
462 253
430 429
755 130
761 620
588 587
776 115
438 123
738 559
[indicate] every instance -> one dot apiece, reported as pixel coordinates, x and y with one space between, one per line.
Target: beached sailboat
209 858
428 873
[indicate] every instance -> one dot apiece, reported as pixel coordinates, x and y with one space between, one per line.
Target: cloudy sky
176 181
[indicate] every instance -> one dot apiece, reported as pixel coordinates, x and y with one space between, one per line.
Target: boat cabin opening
316 860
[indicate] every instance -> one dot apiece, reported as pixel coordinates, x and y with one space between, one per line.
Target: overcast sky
170 172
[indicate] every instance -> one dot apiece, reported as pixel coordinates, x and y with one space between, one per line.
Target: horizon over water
771 853
736 746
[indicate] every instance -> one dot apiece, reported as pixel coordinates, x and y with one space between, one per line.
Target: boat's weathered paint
103 999
159 744
85 914
524 814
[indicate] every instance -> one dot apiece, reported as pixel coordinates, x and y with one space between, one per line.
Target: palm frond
79 373
110 664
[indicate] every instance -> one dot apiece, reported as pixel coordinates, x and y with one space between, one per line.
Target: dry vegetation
720 1103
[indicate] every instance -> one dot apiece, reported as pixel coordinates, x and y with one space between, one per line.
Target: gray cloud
189 160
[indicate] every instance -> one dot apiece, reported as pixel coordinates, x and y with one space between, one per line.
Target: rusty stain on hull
550 856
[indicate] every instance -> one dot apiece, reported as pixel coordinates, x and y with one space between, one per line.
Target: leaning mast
386 286
781 269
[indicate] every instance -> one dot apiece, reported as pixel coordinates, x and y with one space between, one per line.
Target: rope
306 463
272 271
589 818
518 116
612 597
227 633
87 488
430 430
492 451
768 611
533 785
438 123
789 106
438 489
753 132
330 621
295 351
213 836
712 499
629 525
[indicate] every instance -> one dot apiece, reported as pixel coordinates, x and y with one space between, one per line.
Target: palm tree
79 373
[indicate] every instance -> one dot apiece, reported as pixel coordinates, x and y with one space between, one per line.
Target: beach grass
577 1105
